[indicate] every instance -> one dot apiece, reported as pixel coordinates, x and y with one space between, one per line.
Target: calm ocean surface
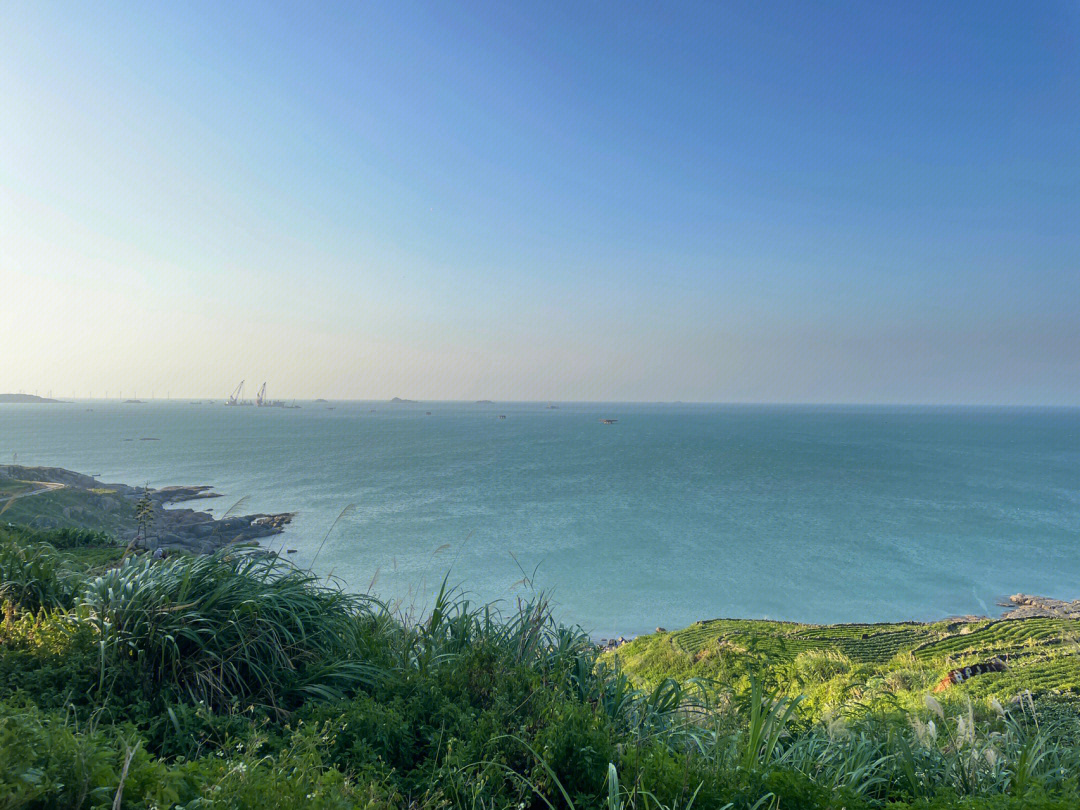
675 513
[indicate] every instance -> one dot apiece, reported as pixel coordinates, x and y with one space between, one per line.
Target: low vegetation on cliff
237 680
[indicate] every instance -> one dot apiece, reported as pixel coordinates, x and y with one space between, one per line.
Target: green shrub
231 630
69 538
33 576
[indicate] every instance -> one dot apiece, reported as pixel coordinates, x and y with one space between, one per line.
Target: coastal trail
43 487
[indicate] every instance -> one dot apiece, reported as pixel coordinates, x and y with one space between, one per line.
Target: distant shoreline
29 399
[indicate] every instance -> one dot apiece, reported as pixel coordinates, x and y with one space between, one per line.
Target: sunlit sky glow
839 202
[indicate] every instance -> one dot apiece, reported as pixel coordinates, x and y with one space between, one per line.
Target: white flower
921 732
837 728
934 706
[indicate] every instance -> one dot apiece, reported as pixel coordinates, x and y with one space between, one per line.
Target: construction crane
234 397
260 398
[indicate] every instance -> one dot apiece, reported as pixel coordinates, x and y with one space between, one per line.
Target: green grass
10 486
73 508
1043 655
238 680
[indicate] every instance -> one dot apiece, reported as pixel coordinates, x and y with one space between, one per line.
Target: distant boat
553 407
502 415
427 413
608 421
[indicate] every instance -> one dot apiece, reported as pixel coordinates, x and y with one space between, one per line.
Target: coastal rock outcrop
1032 607
111 508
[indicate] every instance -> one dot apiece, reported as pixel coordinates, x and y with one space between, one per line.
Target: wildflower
934 706
991 757
931 729
837 728
922 733
997 707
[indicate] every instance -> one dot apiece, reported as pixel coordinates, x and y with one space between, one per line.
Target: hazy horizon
311 398
610 203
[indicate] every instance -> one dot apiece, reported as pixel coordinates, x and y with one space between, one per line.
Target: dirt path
44 486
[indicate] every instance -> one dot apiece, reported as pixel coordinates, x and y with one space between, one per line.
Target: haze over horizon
788 204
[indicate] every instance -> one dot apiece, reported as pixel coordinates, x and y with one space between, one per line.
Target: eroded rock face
201 533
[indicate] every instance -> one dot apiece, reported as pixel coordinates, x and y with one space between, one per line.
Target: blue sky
838 202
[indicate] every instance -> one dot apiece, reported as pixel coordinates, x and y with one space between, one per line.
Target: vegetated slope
1041 654
238 680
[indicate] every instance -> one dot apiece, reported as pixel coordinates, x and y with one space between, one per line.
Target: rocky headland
62 497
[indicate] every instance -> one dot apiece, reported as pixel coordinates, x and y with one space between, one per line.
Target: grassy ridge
237 680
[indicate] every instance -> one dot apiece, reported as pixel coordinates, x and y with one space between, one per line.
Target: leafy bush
69 537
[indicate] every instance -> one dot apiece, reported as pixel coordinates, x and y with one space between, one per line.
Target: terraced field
1002 638
863 643
1042 655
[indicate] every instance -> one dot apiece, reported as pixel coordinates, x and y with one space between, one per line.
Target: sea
670 514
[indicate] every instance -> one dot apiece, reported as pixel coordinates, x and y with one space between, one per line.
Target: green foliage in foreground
238 681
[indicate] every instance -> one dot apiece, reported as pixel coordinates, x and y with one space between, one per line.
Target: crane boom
234 397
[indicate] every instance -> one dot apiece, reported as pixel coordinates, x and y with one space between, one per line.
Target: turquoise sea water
673 514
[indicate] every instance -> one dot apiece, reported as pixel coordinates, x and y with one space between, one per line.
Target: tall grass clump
234 629
33 576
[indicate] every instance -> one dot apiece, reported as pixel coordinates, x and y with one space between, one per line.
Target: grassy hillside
831 663
238 680
97 509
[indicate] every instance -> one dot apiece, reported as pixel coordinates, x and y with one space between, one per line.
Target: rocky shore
76 499
1025 606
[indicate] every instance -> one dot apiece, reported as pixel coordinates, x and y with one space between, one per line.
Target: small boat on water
608 421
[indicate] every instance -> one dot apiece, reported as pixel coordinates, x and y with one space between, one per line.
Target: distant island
12 398
400 401
484 402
